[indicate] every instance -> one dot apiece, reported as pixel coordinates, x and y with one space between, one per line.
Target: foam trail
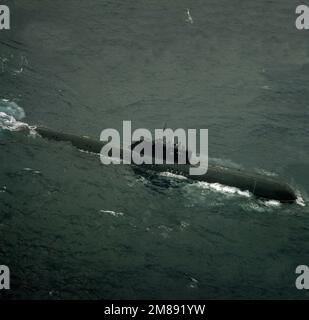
222 188
172 175
10 116
11 108
210 186
299 200
10 123
272 203
189 17
111 212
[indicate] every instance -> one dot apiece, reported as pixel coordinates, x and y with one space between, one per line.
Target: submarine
259 185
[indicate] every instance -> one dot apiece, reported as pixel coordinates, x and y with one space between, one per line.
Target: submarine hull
80 142
257 184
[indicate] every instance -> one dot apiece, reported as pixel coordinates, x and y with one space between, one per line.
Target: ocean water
73 228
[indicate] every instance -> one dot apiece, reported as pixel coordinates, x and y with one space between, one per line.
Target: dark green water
73 228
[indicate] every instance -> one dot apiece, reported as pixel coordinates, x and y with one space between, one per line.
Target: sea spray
11 108
10 115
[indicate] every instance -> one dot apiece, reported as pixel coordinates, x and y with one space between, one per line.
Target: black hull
257 184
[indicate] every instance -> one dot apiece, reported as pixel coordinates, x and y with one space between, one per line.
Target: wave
113 213
210 186
10 123
10 115
222 188
172 175
11 108
299 200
